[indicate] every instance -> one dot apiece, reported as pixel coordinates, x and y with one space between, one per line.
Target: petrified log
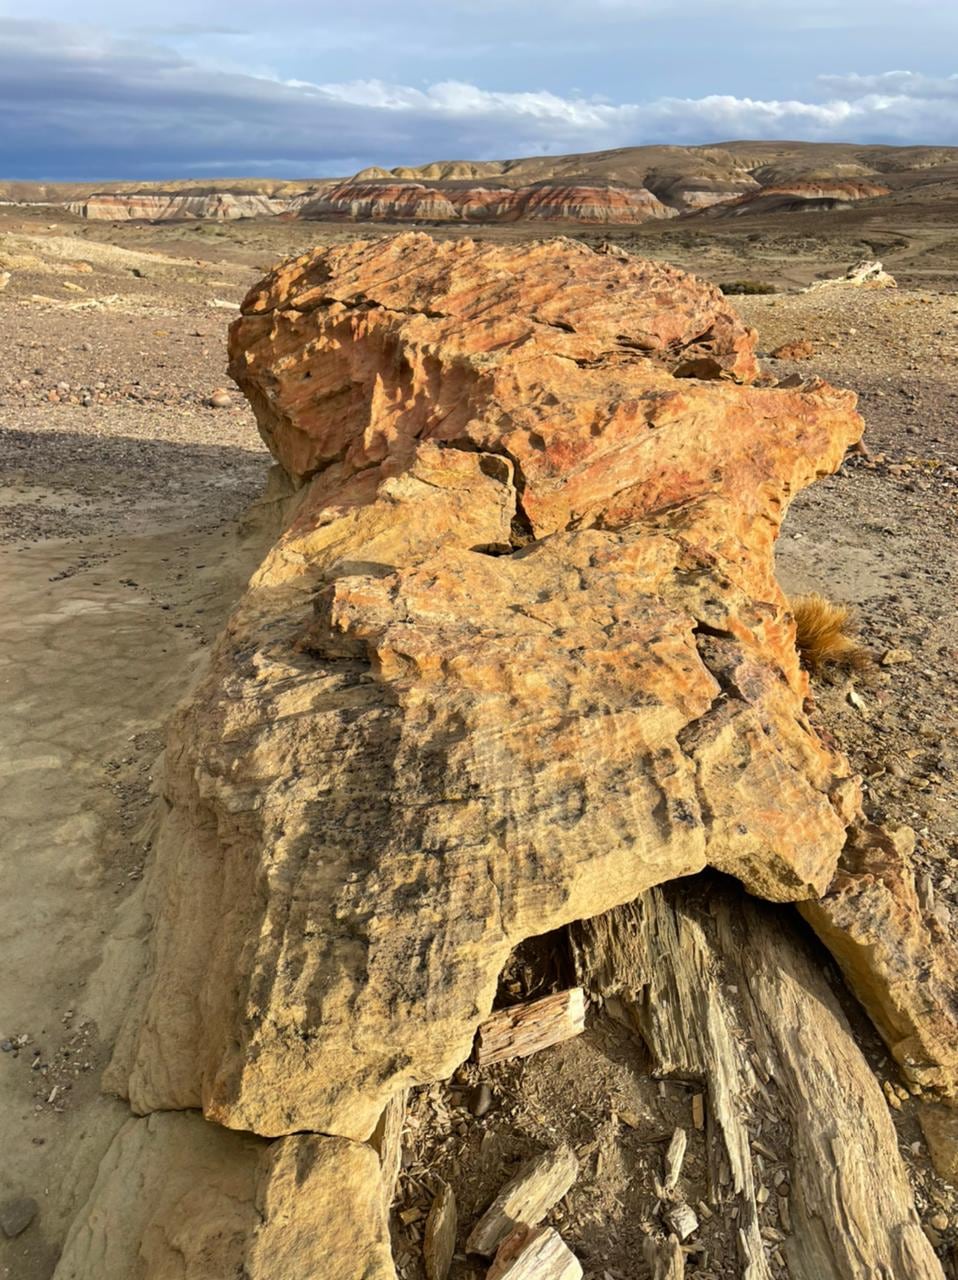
525 1199
519 656
439 1241
536 1253
526 1028
722 990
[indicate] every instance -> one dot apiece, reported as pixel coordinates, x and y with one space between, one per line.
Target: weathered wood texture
526 1028
665 1259
525 1200
724 990
538 1253
439 1241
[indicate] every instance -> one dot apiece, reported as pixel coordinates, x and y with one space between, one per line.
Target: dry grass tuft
825 635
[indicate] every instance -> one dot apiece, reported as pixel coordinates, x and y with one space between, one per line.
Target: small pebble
17 1214
481 1100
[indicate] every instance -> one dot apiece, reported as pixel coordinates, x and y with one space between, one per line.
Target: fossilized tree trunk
518 658
725 991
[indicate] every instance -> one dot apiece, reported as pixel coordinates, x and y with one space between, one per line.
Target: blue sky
290 89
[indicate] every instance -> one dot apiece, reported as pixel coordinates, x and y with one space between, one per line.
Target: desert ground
130 501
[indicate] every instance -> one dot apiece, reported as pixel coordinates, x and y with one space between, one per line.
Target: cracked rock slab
179 1199
900 961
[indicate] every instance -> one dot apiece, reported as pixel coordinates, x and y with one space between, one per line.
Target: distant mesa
624 187
412 201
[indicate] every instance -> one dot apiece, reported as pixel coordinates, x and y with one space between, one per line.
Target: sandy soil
119 556
120 496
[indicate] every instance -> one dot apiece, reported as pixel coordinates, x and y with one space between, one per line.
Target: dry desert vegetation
424 852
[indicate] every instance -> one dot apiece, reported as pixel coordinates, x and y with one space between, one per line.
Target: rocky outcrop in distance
546 202
627 187
217 206
797 197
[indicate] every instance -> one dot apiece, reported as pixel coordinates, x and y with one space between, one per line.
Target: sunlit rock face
518 655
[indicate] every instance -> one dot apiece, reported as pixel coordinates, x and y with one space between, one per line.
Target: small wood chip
681 1218
439 1242
526 1028
674 1158
536 1253
525 1200
767 1152
784 1217
698 1110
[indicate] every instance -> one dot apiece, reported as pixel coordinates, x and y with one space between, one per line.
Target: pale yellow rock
939 1124
321 1206
177 1198
173 1200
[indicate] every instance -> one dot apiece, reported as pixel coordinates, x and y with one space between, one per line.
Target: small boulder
801 349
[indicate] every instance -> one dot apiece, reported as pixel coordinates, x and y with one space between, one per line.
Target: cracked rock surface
518 655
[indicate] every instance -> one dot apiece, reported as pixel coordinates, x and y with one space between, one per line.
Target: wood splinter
525 1199
439 1243
665 1258
526 1028
535 1253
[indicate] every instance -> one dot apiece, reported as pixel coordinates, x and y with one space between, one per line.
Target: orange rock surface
898 959
519 655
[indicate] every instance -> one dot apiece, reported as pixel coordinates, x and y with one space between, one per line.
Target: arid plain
134 506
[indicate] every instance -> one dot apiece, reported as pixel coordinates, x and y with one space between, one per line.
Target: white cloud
77 103
894 84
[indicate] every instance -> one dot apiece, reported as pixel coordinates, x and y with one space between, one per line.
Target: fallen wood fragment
536 1253
674 1158
526 1028
439 1242
707 975
525 1200
698 1110
665 1258
682 1220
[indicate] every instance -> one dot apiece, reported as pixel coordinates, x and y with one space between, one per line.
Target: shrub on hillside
747 286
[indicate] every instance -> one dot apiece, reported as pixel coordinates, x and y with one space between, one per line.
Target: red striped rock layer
552 202
788 197
218 206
